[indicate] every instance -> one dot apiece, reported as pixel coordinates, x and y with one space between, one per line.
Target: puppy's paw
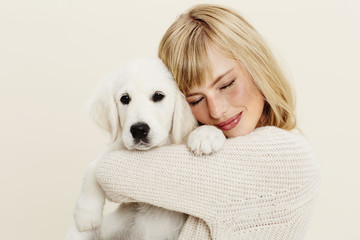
88 215
206 140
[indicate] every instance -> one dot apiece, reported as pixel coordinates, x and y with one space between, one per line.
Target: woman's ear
103 109
183 119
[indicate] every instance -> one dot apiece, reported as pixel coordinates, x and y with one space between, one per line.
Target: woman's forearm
170 177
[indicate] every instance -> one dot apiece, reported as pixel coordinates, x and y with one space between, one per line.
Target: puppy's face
145 100
142 106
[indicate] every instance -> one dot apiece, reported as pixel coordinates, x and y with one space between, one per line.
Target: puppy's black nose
139 130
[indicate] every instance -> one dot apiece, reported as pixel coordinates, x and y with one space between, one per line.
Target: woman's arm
255 180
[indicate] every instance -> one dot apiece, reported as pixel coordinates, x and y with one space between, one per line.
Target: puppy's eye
125 99
158 96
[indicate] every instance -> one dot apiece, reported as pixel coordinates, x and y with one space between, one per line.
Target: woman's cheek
200 113
236 96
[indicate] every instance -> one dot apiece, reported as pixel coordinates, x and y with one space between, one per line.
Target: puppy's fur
140 107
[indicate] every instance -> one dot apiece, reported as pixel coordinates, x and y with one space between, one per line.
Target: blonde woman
263 183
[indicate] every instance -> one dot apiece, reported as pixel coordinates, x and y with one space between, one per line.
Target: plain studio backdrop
54 53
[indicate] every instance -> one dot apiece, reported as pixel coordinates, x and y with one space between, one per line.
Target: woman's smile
230 123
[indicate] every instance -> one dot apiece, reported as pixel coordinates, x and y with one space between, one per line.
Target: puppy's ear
103 109
183 119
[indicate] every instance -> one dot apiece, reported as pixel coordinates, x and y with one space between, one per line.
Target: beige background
53 54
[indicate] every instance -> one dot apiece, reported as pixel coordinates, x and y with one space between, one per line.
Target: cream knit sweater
259 186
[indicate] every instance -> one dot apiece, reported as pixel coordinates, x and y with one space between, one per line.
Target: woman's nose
215 106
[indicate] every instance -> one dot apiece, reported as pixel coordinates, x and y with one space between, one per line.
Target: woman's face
228 99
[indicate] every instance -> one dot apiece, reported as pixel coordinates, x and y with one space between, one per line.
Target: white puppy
141 107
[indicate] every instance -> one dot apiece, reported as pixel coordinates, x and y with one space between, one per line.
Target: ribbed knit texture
259 186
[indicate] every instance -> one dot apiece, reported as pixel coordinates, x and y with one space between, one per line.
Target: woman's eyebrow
191 94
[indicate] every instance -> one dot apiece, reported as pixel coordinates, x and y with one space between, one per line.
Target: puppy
140 107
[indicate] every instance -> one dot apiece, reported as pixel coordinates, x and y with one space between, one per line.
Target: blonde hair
184 46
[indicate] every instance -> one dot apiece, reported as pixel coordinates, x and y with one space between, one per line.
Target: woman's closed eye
227 85
193 103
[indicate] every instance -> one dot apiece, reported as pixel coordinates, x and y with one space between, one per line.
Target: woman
263 183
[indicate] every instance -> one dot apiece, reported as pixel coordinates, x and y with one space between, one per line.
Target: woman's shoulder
272 134
273 140
273 150
275 131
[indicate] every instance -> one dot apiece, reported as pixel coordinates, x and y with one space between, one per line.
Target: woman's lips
230 123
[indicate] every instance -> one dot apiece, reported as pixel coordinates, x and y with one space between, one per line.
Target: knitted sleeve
259 186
